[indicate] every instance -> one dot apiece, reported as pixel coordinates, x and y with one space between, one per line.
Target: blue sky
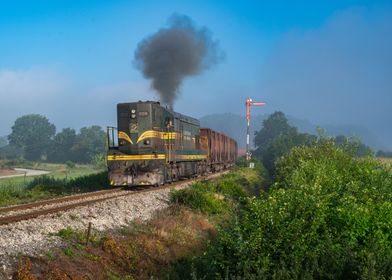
326 61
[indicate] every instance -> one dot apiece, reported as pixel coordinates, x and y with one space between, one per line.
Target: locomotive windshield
141 126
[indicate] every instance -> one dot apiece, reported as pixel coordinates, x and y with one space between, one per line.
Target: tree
353 146
282 144
275 125
62 146
3 141
276 138
10 152
90 142
33 133
381 153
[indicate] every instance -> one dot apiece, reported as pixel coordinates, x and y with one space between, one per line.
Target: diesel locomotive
153 145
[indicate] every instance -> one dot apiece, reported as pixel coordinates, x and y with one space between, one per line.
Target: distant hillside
235 126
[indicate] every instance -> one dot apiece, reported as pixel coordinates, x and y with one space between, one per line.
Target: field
386 161
14 190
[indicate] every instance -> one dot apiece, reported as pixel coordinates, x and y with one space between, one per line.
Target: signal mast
248 104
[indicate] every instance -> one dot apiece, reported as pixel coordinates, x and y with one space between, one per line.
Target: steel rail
56 200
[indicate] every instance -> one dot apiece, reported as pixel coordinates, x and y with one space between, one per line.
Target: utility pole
248 104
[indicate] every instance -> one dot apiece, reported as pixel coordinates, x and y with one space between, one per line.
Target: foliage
384 154
14 193
252 181
10 152
99 161
33 133
3 141
61 146
276 138
218 196
66 233
89 142
84 147
43 187
328 216
59 186
199 196
70 164
274 126
353 146
33 137
282 145
14 190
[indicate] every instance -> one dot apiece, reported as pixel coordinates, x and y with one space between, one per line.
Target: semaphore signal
249 102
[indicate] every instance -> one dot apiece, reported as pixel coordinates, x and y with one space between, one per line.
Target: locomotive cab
136 123
138 158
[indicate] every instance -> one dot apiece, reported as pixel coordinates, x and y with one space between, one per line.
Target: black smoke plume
180 50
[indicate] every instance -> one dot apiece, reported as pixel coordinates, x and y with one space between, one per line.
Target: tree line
276 138
34 138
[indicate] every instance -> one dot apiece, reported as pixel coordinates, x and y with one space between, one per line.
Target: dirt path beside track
25 172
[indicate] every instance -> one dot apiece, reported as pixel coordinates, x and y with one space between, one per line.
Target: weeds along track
13 214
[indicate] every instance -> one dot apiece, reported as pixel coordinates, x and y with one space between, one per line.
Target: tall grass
64 186
14 193
48 186
214 197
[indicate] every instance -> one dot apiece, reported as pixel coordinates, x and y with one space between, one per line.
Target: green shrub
230 188
70 164
252 181
199 196
79 184
328 216
66 233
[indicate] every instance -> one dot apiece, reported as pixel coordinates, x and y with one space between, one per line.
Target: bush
199 196
328 216
70 164
230 188
252 181
80 184
217 197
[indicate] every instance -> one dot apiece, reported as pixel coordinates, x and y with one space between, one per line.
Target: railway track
39 208
56 200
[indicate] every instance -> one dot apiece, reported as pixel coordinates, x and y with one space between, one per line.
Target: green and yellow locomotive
153 145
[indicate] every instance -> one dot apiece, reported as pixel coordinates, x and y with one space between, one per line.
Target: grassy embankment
328 215
154 249
26 189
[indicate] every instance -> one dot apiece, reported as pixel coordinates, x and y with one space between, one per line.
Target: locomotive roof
186 118
176 115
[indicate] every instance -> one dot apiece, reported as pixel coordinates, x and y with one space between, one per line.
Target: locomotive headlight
146 142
